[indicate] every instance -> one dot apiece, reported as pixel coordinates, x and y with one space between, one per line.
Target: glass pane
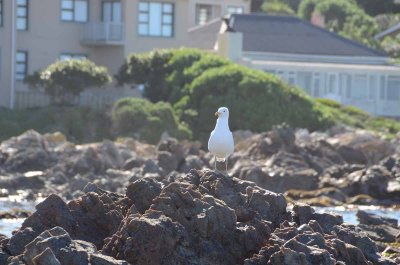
143 29
167 8
107 12
67 15
167 30
359 88
19 76
143 17
64 57
393 88
20 68
155 19
117 15
304 81
21 23
144 7
20 57
81 11
167 19
21 12
67 4
21 2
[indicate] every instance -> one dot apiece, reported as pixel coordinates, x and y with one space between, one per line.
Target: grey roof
284 34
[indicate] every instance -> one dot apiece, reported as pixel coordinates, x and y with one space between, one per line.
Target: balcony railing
103 33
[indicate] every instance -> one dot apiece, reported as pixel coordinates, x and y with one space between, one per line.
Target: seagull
221 143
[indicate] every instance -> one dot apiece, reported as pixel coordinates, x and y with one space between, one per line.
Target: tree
275 7
149 69
64 80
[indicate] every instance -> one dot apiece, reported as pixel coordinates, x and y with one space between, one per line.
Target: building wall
5 47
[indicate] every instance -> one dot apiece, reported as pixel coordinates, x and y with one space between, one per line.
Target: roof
390 31
291 35
204 36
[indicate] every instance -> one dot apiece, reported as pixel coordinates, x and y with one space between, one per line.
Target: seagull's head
222 112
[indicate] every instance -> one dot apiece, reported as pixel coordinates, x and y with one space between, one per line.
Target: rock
191 162
28 160
142 192
46 258
167 161
133 162
373 219
99 259
172 146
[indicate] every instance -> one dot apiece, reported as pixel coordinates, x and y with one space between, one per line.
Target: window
21 61
22 14
359 89
235 10
382 86
203 13
67 56
156 19
393 88
111 11
1 13
304 81
74 10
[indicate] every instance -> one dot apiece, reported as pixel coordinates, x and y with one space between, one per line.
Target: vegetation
79 124
277 8
147 121
64 80
196 83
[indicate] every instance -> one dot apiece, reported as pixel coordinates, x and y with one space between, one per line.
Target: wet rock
373 219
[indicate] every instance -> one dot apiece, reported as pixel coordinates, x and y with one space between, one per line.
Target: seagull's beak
217 114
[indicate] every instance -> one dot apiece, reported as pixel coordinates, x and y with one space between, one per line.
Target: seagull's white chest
221 142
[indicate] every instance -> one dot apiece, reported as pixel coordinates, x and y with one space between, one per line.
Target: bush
277 8
146 121
149 69
79 124
329 102
64 80
256 100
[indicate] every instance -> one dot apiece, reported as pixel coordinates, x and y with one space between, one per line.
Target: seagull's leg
215 163
226 165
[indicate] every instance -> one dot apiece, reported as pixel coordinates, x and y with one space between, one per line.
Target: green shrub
147 121
277 8
354 111
79 124
306 8
256 100
329 102
149 69
64 80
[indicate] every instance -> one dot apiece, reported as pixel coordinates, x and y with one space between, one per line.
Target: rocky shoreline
202 217
133 203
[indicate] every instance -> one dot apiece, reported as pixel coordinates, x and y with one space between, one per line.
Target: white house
321 62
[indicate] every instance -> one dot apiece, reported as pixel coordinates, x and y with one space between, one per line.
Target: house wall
375 90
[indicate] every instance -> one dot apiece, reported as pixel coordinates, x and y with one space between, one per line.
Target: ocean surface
348 213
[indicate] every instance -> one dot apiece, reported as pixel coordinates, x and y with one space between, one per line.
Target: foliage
328 102
276 7
63 80
376 7
147 121
149 69
306 9
343 17
79 124
255 100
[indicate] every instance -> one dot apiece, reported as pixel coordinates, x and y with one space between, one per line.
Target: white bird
221 143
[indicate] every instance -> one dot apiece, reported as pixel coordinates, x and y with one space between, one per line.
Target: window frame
72 10
162 24
1 12
26 17
210 14
25 63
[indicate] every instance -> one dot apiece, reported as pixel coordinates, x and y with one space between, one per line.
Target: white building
323 63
